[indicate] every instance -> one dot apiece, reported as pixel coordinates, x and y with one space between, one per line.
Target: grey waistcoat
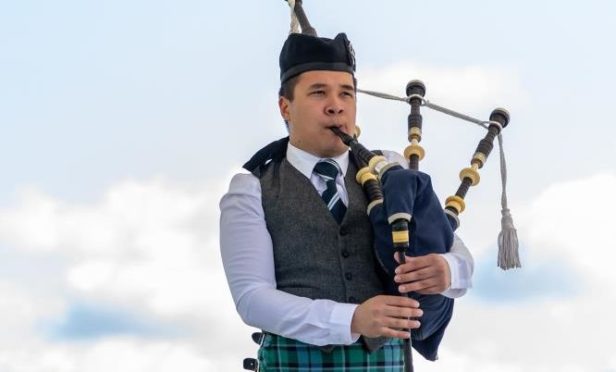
314 256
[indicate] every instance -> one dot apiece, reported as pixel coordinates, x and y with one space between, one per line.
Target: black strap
251 364
275 151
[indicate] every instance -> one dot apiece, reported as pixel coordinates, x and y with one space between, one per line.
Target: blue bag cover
410 191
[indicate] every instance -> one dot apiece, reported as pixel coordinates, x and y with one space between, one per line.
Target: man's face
322 99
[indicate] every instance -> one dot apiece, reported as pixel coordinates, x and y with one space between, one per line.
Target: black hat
301 53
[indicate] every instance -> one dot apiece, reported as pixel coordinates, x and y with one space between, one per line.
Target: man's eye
318 92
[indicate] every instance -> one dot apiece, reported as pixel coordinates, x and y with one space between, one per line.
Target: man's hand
427 274
386 316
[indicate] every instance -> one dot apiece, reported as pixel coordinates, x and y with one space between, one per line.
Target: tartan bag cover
279 353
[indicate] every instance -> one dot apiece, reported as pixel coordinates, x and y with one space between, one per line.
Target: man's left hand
427 274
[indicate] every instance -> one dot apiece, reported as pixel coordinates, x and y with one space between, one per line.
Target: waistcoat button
348 276
345 253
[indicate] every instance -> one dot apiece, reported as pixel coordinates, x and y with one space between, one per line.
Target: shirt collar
304 161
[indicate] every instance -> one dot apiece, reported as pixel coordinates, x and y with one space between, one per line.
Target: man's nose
334 108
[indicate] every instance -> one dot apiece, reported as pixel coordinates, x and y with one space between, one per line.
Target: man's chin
327 148
333 151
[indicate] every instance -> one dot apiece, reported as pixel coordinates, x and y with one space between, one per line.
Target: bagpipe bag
410 192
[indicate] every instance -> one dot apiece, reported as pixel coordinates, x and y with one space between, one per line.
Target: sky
122 123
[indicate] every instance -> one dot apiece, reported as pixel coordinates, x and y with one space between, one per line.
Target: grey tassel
508 246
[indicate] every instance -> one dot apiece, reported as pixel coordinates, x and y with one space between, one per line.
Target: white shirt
248 259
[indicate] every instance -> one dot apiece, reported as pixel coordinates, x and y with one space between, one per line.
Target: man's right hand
386 316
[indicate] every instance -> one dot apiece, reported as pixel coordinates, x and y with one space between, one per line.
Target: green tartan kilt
279 353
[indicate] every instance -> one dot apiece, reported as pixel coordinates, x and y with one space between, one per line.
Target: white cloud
31 225
466 89
149 244
119 355
155 252
573 334
456 362
575 220
23 310
568 222
150 248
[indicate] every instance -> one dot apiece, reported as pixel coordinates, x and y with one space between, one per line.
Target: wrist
342 319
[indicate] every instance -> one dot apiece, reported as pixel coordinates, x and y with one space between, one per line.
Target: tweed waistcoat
314 256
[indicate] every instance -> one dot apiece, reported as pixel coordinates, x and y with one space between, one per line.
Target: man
297 249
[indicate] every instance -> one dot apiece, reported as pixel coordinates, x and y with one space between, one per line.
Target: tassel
294 28
508 247
508 256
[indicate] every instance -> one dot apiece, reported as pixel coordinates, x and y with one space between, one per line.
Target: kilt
279 353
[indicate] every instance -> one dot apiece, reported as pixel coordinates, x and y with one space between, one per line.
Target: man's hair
287 88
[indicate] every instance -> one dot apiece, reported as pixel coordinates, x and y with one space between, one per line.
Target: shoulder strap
275 151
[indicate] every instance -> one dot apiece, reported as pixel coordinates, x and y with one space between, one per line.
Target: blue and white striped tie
327 169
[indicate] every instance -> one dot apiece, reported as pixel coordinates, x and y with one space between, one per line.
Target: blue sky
119 89
122 122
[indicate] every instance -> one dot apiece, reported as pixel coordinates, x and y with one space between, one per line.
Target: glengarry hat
301 53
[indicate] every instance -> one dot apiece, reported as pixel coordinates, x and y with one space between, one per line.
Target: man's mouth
339 126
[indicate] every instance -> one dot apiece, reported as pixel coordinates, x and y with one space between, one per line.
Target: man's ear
283 105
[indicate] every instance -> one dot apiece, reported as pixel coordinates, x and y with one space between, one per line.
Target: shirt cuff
340 320
458 285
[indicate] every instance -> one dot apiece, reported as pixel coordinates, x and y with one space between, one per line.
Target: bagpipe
408 219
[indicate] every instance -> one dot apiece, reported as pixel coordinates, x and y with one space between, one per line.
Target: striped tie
327 169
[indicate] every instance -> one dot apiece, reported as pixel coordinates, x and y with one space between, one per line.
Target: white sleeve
393 156
459 258
248 260
461 266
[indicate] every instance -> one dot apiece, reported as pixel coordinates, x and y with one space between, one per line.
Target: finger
394 333
431 290
415 275
401 301
414 263
397 257
418 285
397 323
399 331
402 312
